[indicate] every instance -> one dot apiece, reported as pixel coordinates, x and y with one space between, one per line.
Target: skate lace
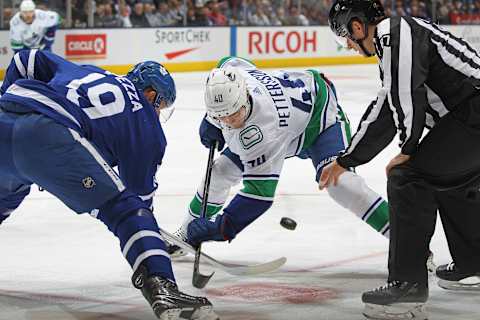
451 266
388 285
181 233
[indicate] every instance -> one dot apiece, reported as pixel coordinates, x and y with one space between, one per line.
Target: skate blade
170 314
178 254
204 313
398 311
467 284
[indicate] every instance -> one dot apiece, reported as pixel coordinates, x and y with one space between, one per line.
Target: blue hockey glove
209 134
202 229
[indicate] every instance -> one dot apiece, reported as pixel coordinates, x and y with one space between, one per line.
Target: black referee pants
438 177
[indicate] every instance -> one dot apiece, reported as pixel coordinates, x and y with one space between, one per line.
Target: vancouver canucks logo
250 136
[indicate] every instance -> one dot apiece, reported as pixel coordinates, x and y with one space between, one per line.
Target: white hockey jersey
289 110
34 35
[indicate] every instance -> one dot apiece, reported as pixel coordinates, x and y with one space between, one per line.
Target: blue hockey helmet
151 74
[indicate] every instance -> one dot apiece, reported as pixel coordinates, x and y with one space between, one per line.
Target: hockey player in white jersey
33 28
265 118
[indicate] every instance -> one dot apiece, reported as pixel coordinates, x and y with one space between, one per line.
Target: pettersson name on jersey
276 93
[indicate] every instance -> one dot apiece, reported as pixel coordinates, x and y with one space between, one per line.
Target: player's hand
202 229
397 160
209 134
330 175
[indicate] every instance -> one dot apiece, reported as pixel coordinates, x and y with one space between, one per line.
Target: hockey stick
236 270
200 280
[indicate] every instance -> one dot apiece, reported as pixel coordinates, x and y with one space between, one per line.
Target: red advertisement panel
85 46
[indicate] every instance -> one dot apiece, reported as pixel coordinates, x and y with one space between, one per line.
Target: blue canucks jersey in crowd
103 107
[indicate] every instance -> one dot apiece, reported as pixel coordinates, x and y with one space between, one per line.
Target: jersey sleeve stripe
19 65
31 64
17 90
371 116
405 78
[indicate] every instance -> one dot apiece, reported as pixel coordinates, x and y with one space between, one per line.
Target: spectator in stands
259 18
151 13
215 15
99 13
164 15
443 13
417 10
201 17
205 13
7 15
124 13
109 19
399 8
476 9
279 18
137 17
80 9
296 18
192 17
177 10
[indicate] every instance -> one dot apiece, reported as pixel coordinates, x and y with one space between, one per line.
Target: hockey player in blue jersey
64 127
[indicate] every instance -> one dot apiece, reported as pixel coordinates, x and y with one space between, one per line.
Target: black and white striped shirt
426 72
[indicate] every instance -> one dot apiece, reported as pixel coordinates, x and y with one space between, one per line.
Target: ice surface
57 265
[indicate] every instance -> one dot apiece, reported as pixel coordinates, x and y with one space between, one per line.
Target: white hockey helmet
27 5
225 92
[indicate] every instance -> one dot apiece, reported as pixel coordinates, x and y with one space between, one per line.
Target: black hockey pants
444 176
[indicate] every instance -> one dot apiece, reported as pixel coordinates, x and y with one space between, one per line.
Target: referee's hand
397 160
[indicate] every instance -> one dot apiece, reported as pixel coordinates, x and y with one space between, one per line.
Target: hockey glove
202 229
209 134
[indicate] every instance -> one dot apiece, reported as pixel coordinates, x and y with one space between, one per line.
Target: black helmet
344 11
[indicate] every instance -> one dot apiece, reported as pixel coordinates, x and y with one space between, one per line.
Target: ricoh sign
85 46
285 42
279 41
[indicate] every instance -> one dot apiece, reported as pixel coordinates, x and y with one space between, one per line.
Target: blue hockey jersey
105 108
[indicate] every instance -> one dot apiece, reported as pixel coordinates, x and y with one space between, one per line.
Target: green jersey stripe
262 188
314 124
379 217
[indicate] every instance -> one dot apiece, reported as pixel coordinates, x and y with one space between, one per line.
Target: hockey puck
288 223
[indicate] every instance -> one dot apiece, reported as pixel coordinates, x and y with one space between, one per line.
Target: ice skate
173 250
396 301
451 278
167 302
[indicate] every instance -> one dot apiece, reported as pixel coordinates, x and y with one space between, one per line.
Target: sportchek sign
86 46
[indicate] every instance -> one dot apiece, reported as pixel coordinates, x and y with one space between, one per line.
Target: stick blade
200 280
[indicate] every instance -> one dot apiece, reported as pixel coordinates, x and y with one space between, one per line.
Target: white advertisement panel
129 46
287 42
